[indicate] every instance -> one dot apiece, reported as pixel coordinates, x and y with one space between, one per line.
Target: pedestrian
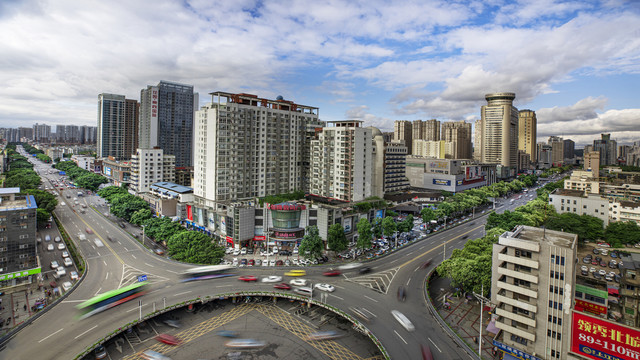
25 307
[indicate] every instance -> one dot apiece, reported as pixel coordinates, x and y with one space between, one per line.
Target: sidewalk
462 315
20 303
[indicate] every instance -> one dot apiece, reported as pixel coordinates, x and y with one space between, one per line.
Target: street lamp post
143 226
444 241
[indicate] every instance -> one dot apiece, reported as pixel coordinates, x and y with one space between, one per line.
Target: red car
282 286
248 278
168 339
331 273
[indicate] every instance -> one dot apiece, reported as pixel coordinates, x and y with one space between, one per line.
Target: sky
575 63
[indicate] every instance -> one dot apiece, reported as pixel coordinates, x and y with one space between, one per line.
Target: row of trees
83 178
182 244
22 175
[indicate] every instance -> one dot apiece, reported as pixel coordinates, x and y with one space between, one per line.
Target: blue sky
576 63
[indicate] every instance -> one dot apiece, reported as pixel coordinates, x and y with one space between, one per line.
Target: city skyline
377 62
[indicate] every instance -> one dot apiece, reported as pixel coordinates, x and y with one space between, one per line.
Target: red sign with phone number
599 339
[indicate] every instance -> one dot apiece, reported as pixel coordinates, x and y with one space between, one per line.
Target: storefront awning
613 291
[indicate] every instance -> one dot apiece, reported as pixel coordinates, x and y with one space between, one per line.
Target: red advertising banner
230 240
189 213
598 339
590 307
259 238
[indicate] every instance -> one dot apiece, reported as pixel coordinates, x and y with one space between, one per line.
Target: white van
403 320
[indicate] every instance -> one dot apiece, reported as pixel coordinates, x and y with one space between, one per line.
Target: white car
68 262
271 279
57 239
65 254
50 247
54 264
243 251
61 246
584 268
272 263
403 320
295 250
235 262
236 252
298 282
349 266
66 286
61 272
98 243
228 251
325 287
73 275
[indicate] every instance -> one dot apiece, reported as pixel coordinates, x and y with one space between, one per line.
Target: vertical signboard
189 213
595 338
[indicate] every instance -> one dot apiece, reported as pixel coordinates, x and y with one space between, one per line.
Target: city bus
206 272
111 299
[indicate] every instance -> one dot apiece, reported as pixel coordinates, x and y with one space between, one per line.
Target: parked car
73 275
68 262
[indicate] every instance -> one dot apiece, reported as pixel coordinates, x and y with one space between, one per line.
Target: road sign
142 278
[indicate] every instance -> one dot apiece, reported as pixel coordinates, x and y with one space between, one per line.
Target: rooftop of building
165 185
27 202
7 191
569 192
629 204
552 237
630 261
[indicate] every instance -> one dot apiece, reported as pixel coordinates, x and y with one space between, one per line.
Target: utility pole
480 336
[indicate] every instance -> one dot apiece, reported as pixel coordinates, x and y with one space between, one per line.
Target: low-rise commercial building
445 174
576 202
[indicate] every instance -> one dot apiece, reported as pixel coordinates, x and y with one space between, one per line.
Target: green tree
194 247
23 180
507 220
124 205
336 240
389 226
43 158
427 215
364 234
42 216
377 228
311 245
109 191
585 226
44 200
140 216
470 267
622 232
161 228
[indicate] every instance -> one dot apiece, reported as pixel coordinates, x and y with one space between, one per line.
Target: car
66 286
608 277
88 230
332 273
324 335
68 262
426 264
258 262
50 247
586 260
250 251
228 250
298 282
604 252
596 251
244 262
248 278
61 246
614 254
173 323
57 239
168 339
282 286
325 287
604 244
403 320
252 262
602 272
295 250
295 273
236 252
279 263
364 270
54 264
243 251
235 262
153 355
584 268
613 264
402 293
61 272
73 275
592 269
349 266
271 279
584 273
122 225
595 262
227 333
307 291
110 238
100 352
272 262
287 262
603 264
616 278
245 343
612 274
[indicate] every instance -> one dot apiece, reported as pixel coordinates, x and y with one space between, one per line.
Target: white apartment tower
499 128
342 166
149 166
532 288
247 147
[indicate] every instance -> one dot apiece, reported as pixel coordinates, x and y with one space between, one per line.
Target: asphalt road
57 335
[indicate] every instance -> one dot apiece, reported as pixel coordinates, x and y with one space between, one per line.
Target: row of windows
556 289
555 320
559 260
554 334
555 305
556 275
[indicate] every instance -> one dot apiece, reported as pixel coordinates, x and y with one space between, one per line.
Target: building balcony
518 275
515 331
518 260
530 292
519 303
517 317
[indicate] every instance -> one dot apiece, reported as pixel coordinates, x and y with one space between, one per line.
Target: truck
62 173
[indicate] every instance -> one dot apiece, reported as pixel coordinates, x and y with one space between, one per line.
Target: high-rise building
166 120
557 150
18 236
342 166
435 149
89 134
111 130
389 165
403 131
41 132
532 281
248 147
500 130
25 133
607 148
544 155
477 141
458 133
569 149
149 166
527 132
592 162
131 115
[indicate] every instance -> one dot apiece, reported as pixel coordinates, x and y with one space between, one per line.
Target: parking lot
599 262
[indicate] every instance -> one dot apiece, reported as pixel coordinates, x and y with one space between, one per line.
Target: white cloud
362 113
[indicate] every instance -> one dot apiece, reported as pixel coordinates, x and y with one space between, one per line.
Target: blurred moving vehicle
168 339
402 293
324 335
325 287
227 333
153 355
206 272
245 343
403 320
331 273
271 279
282 286
248 278
111 299
360 313
295 273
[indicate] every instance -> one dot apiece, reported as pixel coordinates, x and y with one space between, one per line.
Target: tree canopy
336 240
364 234
311 244
194 247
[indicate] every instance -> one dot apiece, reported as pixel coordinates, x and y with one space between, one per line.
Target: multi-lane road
57 335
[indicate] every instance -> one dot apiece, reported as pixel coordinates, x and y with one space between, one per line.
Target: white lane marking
409 253
125 249
119 243
391 262
339 287
105 263
50 335
149 265
133 256
107 276
370 313
434 344
135 308
400 337
374 300
408 281
337 297
422 247
174 272
223 285
182 293
85 332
